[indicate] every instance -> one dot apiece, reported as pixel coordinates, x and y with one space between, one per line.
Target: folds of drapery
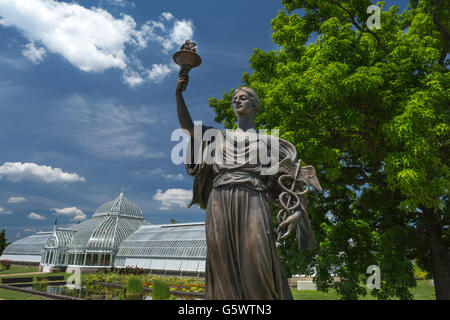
205 173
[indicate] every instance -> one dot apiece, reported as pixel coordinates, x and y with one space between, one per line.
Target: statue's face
242 105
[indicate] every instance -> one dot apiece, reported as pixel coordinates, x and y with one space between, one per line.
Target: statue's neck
246 124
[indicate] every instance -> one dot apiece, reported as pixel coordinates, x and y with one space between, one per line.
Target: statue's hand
290 224
183 78
182 83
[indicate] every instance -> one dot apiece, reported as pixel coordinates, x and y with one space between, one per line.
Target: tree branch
442 30
380 183
352 19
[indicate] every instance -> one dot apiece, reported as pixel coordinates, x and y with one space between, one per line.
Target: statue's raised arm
186 58
184 116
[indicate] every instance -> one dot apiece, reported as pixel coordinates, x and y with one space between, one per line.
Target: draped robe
236 185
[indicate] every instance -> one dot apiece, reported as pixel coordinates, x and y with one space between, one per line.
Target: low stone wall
24 264
82 269
306 283
11 280
53 268
293 281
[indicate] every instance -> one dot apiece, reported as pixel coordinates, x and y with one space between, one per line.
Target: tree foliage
370 110
3 241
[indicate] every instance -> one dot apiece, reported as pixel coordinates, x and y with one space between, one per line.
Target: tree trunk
440 263
439 255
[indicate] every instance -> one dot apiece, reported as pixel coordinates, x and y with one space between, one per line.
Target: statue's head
245 102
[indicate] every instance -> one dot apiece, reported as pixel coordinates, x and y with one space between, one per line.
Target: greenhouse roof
180 241
103 232
60 238
31 245
171 247
120 206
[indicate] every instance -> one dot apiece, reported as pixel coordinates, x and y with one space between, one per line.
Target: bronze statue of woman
241 260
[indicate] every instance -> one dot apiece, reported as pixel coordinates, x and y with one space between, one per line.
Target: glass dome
120 206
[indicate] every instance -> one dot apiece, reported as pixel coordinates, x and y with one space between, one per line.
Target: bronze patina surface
241 261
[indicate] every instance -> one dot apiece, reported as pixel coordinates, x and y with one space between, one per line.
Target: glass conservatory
55 249
27 250
172 248
96 240
117 235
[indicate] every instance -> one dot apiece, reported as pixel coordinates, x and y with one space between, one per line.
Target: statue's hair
251 93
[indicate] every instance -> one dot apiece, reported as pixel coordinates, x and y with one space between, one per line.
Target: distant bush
420 274
5 265
40 285
128 270
135 289
160 290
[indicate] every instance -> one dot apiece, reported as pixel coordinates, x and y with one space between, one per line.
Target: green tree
369 109
3 241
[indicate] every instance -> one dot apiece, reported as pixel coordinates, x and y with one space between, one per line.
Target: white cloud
160 174
120 3
173 197
182 30
167 16
17 171
3 211
35 216
93 39
77 214
132 78
36 55
179 33
16 199
159 71
109 129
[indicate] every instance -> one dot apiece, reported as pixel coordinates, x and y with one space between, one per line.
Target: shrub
40 285
420 274
5 265
120 296
135 289
160 290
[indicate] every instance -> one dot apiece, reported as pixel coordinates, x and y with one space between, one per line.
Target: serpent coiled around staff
293 192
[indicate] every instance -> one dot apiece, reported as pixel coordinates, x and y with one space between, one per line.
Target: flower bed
181 285
175 284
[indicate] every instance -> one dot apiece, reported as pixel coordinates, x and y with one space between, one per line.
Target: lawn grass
18 270
15 295
423 291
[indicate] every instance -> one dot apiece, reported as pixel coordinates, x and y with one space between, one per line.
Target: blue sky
78 109
87 101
